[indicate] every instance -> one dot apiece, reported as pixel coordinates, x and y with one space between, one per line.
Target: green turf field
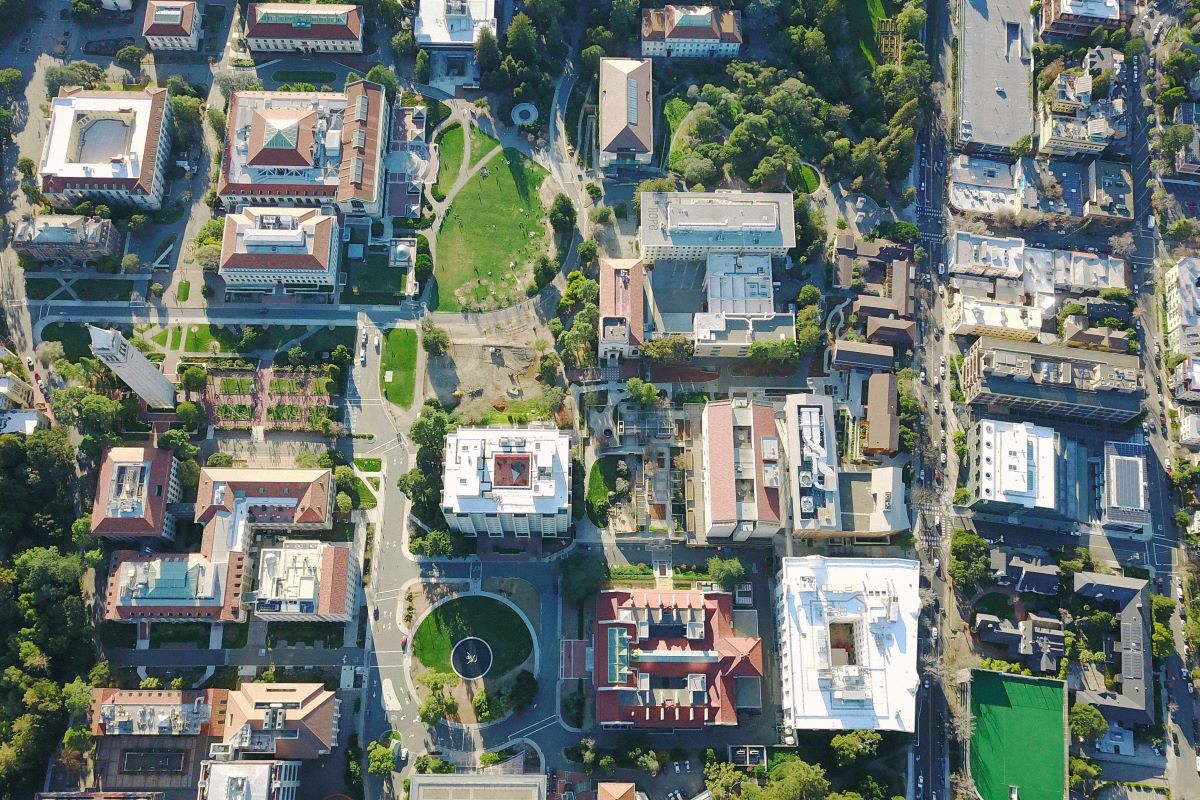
1019 738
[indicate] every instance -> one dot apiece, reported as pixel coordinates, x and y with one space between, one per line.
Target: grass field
805 179
1019 738
675 110
369 464
325 340
180 633
373 281
492 232
74 338
40 288
316 77
601 480
236 385
864 16
497 624
200 339
160 338
176 338
91 289
994 603
183 291
481 145
365 498
450 152
400 357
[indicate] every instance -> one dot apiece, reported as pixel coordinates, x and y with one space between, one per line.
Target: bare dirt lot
477 375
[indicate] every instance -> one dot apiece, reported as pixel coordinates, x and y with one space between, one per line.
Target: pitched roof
282 137
883 421
304 717
622 294
137 506
616 791
311 488
626 105
169 18
361 142
309 250
270 21
691 22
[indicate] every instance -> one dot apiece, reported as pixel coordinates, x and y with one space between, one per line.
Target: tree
1087 723
422 69
78 738
523 691
779 353
562 213
607 764
430 427
84 74
230 82
851 746
77 697
386 78
220 460
549 367
11 79
671 349
194 378
179 441
624 18
157 289
1022 147
435 340
522 39
643 393
1116 294
649 760
1162 642
380 760
487 52
130 56
344 504
582 576
131 262
809 295
189 415
722 779
26 166
969 562
962 496
150 683
726 571
590 59
186 120
587 251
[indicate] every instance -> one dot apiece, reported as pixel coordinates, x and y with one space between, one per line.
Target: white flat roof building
453 23
466 786
1182 289
1017 463
690 225
995 92
22 421
847 630
502 481
106 146
306 581
983 186
975 316
741 307
249 780
812 454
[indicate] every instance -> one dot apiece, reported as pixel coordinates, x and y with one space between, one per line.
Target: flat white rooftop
450 23
506 471
97 137
747 220
995 89
1017 463
1096 9
993 314
848 643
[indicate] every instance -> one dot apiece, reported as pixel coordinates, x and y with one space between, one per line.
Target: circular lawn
503 630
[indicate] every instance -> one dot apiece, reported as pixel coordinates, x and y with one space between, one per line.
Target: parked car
29 361
676 766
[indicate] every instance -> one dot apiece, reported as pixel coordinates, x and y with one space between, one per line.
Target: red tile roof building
172 25
282 720
320 28
740 471
306 581
691 32
294 248
132 493
672 660
622 308
158 712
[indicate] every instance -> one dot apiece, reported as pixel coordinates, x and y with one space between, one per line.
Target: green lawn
283 412
316 77
491 235
236 385
805 179
160 338
994 603
324 340
183 291
1019 738
176 338
864 16
40 288
201 337
497 624
92 289
363 498
601 480
675 110
373 281
450 152
285 386
481 145
235 636
196 633
400 357
234 412
369 464
74 337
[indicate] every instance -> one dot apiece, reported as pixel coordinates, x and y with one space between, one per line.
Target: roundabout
473 636
471 658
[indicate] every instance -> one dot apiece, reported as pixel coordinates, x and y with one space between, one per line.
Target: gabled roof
109 518
361 142
169 18
306 728
680 23
310 487
271 21
626 106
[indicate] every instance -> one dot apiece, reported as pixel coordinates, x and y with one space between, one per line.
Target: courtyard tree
131 262
422 69
643 393
189 415
851 746
130 56
180 441
726 571
562 213
385 78
582 576
487 52
380 760
194 378
1087 723
673 348
344 504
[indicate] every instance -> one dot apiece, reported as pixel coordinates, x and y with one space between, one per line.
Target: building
849 354
967 315
893 297
70 239
983 186
1051 380
135 488
852 255
507 482
690 225
110 147
280 720
271 249
622 309
303 28
626 113
248 780
1110 191
22 421
995 94
476 786
1013 467
453 24
306 581
847 634
407 163
210 585
618 791
1187 160
674 660
1024 575
137 372
157 712
1038 641
1126 503
306 148
1185 380
691 32
1129 655
740 470
172 25
883 420
1075 121
740 308
893 332
114 795
1182 290
1078 331
14 392
1079 17
1189 428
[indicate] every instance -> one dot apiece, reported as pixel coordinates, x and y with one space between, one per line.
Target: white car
937 565
943 458
377 343
934 633
676 765
29 361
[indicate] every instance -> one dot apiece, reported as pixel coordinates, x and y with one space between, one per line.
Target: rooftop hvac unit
806 479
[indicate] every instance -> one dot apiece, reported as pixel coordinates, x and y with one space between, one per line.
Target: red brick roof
183 27
659 24
310 487
620 300
354 184
216 699
335 568
157 483
350 30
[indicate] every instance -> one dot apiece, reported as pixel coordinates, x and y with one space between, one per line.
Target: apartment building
1126 503
157 712
110 147
135 487
1181 288
453 24
626 113
69 239
304 28
269 249
741 492
622 324
1079 18
306 148
690 225
1187 160
507 482
967 315
1029 378
1013 467
306 581
1077 121
691 32
1185 380
172 25
14 392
